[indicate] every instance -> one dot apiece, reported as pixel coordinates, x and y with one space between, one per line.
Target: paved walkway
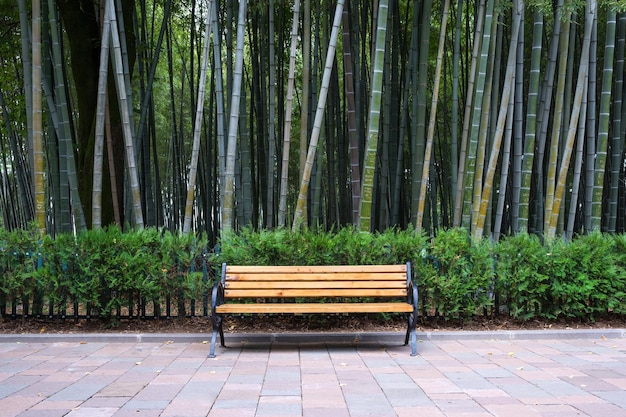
553 373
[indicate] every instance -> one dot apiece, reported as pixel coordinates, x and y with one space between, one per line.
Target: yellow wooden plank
315 276
302 308
242 285
316 268
260 293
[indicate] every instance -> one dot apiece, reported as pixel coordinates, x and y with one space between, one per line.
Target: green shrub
586 283
345 246
459 280
522 281
56 275
21 256
97 252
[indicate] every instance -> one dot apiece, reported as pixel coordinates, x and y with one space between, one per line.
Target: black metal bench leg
413 338
408 332
411 335
217 328
212 351
412 321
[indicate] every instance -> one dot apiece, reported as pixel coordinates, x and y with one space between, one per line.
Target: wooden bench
314 289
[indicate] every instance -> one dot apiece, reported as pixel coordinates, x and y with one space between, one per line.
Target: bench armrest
411 290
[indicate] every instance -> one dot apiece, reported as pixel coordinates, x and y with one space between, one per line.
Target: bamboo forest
202 116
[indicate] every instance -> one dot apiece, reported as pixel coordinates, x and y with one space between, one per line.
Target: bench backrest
315 281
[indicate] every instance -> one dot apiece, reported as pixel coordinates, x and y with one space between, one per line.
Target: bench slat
316 268
373 292
243 285
316 276
301 308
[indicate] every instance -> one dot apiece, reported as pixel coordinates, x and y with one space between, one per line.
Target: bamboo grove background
207 116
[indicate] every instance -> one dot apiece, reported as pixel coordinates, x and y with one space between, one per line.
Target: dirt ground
290 323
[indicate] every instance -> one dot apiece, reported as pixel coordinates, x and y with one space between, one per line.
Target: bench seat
303 308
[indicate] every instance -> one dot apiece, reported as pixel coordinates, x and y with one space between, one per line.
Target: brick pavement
454 374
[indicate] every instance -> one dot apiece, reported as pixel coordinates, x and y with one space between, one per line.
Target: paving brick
225 412
79 391
45 412
604 409
14 405
127 412
511 410
617 398
279 406
323 399
325 412
198 407
92 412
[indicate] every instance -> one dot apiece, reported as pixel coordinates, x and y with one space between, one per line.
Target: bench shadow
311 347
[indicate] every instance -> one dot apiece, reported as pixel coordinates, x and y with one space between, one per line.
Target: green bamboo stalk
317 124
467 117
474 132
26 42
574 119
531 122
578 166
195 152
219 96
306 87
507 91
371 147
118 68
433 116
454 135
591 130
420 92
543 118
38 154
284 183
518 138
271 146
98 161
483 131
603 125
558 119
64 132
617 146
233 125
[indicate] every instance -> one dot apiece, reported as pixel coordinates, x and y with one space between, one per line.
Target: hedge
151 273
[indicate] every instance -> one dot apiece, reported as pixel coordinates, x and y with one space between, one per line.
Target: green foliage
345 246
56 275
100 269
107 270
522 280
614 5
589 283
20 254
575 6
459 278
